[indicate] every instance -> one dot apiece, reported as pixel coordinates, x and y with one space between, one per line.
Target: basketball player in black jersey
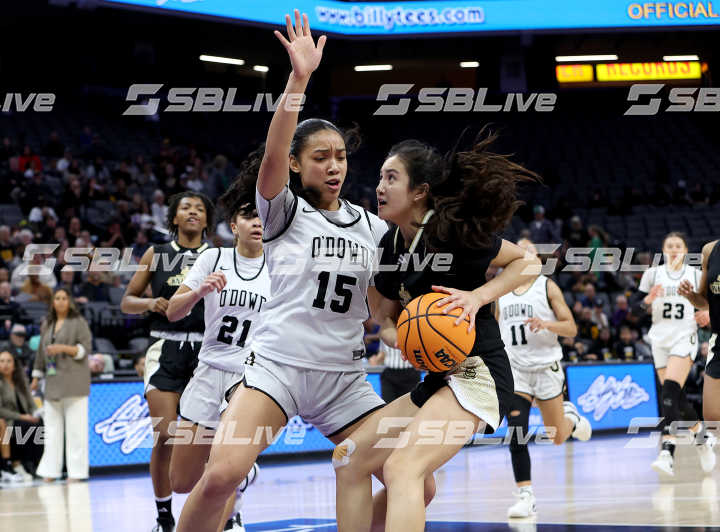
172 358
708 298
454 206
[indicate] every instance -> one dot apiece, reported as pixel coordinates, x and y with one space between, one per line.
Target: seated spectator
621 311
7 248
589 296
587 329
139 366
159 209
36 290
624 348
601 348
575 234
17 410
20 274
568 348
542 231
29 159
101 365
74 230
69 280
598 316
9 310
18 347
93 289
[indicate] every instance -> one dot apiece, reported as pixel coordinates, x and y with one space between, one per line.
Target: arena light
681 58
225 60
260 68
575 58
372 68
469 64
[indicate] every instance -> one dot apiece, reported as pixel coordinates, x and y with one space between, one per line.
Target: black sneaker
235 524
164 525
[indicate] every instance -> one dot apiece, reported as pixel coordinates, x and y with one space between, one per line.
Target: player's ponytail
239 198
473 192
476 196
303 132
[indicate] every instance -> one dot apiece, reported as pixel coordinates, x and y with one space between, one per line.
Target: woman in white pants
65 342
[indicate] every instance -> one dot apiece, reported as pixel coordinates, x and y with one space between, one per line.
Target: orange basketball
429 338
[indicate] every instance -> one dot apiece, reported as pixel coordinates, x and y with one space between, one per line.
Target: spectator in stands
101 365
54 148
624 347
589 296
601 348
7 249
29 160
115 237
18 347
96 190
74 230
621 311
139 366
4 275
36 290
73 199
141 245
575 234
159 209
598 315
17 410
63 164
20 274
9 309
69 280
587 329
542 230
93 290
65 342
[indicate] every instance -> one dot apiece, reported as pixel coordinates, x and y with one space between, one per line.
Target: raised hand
304 55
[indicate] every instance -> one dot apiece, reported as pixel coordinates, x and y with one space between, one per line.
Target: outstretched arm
305 57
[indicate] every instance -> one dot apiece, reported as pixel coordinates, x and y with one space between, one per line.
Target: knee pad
671 396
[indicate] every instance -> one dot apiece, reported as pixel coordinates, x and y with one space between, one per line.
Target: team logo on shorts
470 373
250 360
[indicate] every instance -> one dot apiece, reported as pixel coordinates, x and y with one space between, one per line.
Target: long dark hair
174 203
303 132
73 311
18 375
473 192
239 198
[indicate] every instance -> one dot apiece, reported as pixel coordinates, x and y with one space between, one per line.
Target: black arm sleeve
636 302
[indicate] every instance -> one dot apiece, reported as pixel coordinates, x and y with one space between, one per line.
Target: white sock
238 501
528 489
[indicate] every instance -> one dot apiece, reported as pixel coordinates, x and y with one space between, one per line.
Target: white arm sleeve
276 214
202 267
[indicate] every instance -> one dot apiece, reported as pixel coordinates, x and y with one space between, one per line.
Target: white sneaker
20 470
583 429
707 453
524 506
664 464
11 478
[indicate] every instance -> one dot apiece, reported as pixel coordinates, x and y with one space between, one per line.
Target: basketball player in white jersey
235 286
531 318
307 353
674 342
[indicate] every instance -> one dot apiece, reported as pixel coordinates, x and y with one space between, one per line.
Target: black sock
7 465
229 524
164 509
669 446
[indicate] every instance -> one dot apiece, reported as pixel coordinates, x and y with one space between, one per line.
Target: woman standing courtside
65 342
